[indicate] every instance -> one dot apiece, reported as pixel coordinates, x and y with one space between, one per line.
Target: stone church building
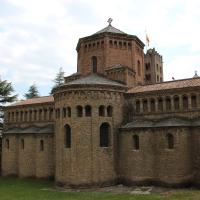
113 121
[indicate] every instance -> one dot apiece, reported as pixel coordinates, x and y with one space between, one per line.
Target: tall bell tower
113 53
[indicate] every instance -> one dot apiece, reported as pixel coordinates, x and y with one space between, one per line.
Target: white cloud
41 35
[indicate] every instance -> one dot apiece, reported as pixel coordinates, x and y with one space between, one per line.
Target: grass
31 189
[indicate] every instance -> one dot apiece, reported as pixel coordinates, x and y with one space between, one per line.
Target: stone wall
85 162
24 158
154 162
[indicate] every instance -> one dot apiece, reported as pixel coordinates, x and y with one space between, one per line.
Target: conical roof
109 29
94 79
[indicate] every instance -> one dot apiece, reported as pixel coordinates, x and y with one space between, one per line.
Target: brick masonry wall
108 56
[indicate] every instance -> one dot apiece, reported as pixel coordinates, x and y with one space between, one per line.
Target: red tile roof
178 84
38 100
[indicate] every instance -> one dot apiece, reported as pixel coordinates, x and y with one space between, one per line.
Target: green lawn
31 189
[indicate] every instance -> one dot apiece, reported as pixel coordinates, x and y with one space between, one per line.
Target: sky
37 37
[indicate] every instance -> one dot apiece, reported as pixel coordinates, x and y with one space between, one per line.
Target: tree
32 92
59 80
6 96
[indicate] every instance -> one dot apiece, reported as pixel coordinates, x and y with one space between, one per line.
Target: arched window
104 135
67 136
17 116
139 68
176 103
35 115
185 102
30 115
168 103
40 114
94 64
136 142
137 106
160 104
170 141
13 116
9 117
101 111
145 106
45 114
79 111
194 101
22 143
25 116
50 113
88 111
68 112
41 145
152 105
109 111
64 112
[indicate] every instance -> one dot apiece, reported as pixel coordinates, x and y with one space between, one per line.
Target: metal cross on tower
110 21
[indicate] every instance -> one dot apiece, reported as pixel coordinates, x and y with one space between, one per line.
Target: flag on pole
147 39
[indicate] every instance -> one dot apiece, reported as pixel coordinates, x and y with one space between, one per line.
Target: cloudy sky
39 36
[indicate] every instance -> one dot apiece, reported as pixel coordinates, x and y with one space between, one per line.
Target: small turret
153 67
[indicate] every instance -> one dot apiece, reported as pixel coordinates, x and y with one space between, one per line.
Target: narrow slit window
67 136
136 143
41 145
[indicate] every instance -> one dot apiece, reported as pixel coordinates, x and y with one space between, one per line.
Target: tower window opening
79 110
109 111
101 111
68 111
88 111
94 64
64 112
138 68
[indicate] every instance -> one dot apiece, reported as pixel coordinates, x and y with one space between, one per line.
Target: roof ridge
164 82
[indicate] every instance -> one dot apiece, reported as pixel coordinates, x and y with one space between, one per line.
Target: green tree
32 92
6 96
59 80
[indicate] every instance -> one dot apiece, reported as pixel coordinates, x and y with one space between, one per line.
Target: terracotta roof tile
178 84
38 100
